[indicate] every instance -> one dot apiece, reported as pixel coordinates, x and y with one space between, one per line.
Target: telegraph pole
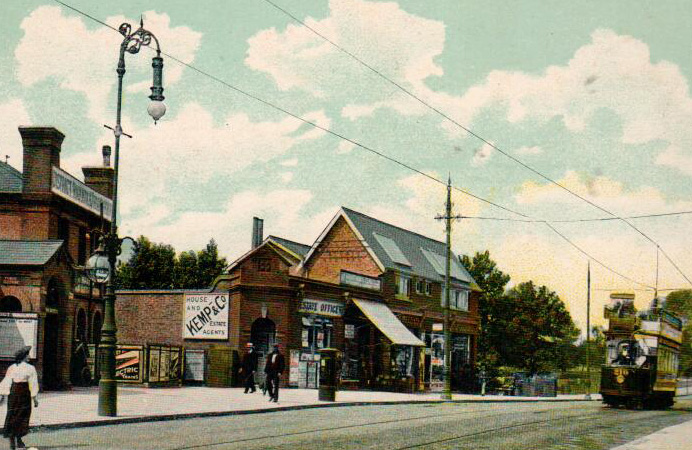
588 331
447 390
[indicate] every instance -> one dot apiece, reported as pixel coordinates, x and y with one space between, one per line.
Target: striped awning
385 320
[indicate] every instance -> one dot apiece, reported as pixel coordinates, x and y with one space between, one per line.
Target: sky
592 94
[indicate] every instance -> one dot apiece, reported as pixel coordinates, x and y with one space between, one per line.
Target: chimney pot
106 151
257 232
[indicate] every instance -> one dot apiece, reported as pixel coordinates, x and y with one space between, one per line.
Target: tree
492 282
150 266
186 271
210 265
539 332
680 302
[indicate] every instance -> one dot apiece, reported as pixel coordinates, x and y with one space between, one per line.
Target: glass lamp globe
156 110
97 267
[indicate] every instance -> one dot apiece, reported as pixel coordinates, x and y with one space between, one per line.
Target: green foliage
680 302
539 332
155 266
492 282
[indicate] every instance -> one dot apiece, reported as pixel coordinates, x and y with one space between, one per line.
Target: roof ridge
288 240
393 226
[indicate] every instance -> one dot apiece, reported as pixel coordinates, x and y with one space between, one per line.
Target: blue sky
592 94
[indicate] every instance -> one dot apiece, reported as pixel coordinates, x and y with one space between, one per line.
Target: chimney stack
257 232
106 152
41 152
101 179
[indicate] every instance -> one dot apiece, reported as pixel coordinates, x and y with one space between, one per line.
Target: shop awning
385 320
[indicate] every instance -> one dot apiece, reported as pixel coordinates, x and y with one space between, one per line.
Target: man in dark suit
274 368
248 368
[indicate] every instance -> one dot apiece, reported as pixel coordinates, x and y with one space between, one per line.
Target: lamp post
110 245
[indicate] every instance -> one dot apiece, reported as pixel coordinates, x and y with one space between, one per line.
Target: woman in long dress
21 385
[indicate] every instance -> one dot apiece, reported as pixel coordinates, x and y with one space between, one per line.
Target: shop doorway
79 371
263 336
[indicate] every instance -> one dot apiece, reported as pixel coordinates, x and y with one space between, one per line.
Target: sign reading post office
206 316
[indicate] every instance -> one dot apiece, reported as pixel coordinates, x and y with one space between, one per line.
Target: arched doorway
51 336
10 304
263 336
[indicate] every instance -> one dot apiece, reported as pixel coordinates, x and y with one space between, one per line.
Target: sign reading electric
206 316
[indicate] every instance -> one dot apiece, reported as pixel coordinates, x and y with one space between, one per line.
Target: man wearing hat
274 368
21 385
248 368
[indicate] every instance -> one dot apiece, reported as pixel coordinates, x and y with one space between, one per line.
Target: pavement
677 437
79 407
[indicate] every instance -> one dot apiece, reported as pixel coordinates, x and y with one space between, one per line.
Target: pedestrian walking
274 368
21 385
248 368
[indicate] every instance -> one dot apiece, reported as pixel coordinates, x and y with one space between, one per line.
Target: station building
370 289
48 220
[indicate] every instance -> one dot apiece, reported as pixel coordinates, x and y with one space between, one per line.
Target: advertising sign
354 279
294 368
129 363
349 331
437 363
16 331
194 365
206 316
321 307
67 186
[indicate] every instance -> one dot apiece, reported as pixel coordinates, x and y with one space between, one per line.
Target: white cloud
613 72
403 47
293 162
676 158
13 114
606 192
345 147
286 176
192 147
61 47
535 150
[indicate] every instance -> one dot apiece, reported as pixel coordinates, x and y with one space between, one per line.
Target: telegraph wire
302 119
598 219
278 108
476 135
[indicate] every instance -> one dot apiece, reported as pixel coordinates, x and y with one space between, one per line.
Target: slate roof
10 178
295 247
413 246
29 253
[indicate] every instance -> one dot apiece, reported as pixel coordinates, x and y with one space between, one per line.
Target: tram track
474 413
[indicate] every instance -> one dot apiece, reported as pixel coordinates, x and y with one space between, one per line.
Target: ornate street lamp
110 246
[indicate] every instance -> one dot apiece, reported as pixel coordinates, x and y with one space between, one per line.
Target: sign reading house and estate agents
206 316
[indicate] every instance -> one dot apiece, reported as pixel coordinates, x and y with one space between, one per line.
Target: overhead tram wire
597 219
278 108
302 119
474 134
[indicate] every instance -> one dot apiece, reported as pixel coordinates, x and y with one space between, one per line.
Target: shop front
319 319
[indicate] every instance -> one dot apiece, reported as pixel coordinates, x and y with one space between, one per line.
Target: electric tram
642 351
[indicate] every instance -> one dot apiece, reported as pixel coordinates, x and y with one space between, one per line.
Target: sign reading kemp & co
206 316
321 307
67 186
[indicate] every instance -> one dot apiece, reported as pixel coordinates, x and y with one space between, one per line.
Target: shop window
403 286
316 333
264 265
402 361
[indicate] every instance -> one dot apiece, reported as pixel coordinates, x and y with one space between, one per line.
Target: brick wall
340 250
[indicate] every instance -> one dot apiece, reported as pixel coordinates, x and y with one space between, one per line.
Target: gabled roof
29 253
396 248
295 247
10 178
290 251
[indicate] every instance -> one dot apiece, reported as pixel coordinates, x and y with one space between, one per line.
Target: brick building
47 220
368 288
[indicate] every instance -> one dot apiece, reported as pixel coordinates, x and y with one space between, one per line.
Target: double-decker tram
642 351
